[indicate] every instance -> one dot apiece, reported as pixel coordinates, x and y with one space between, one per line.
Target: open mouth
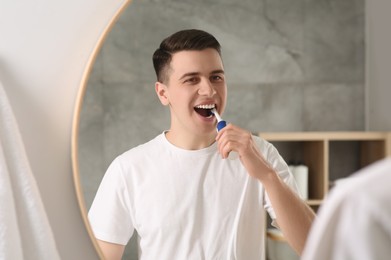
205 110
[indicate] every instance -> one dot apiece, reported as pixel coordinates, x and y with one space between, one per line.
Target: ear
162 93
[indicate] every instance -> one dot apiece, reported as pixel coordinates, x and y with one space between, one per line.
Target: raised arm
293 215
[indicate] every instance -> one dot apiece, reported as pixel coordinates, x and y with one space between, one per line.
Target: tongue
203 112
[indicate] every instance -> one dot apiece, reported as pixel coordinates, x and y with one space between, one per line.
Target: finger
228 148
241 142
228 145
229 127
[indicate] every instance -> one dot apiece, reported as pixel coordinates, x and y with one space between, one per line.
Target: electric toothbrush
220 125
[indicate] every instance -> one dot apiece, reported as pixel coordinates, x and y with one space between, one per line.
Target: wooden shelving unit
330 155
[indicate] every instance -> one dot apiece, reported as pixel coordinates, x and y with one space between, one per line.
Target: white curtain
25 232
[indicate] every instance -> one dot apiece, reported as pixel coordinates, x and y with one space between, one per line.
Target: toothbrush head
214 111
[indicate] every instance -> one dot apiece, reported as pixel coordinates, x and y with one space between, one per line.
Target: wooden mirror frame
76 123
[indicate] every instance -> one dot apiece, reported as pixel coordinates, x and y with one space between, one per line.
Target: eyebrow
217 72
197 73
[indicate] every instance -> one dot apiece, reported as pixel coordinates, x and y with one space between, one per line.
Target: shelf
308 136
330 155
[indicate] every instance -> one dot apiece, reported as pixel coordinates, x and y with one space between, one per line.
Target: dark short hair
192 39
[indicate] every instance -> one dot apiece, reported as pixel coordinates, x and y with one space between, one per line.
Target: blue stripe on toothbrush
221 124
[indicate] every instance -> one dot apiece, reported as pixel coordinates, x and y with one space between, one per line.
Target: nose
206 88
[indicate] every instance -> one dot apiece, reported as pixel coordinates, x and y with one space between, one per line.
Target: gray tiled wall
291 65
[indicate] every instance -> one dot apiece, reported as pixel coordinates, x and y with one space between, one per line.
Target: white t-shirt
185 204
354 222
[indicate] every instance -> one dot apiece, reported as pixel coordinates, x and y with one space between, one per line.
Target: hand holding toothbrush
233 141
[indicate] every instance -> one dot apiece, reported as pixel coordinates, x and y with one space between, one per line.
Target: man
354 221
181 194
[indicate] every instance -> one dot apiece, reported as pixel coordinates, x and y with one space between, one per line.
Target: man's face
196 83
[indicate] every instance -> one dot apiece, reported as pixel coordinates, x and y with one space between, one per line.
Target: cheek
223 99
181 98
222 92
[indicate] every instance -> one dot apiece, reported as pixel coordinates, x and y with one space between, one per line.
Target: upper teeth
206 106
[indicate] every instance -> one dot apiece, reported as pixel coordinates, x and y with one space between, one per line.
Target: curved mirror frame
76 122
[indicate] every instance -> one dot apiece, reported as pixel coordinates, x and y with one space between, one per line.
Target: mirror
290 66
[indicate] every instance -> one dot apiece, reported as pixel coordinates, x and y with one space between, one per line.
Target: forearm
111 251
294 216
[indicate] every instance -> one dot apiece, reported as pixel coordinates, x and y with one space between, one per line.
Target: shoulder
371 183
153 146
139 155
262 143
267 149
273 157
356 211
366 193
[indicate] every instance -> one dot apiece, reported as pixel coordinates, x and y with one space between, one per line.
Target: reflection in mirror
289 67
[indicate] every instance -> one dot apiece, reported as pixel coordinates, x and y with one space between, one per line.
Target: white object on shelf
300 173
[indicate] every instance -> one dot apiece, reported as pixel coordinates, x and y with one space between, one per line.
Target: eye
192 80
216 78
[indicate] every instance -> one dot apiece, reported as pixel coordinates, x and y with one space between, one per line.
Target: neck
190 141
